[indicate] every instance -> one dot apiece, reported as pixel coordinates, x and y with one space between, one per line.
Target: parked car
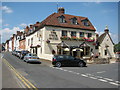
66 60
31 58
23 53
17 53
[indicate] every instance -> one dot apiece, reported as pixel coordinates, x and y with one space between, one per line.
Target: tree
117 47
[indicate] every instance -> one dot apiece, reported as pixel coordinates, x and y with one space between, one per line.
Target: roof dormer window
85 23
61 19
74 21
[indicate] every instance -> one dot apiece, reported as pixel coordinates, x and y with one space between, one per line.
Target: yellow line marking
18 76
23 79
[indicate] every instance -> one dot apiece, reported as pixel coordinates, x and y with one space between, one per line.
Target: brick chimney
61 10
31 26
26 30
18 32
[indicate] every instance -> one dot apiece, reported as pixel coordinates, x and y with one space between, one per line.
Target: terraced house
61 33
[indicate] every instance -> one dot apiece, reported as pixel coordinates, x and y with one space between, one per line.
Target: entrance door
36 50
74 53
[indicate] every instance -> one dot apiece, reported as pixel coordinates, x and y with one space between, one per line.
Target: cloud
6 9
6 25
99 32
23 25
7 32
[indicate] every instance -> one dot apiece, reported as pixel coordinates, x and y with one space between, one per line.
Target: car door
61 59
71 60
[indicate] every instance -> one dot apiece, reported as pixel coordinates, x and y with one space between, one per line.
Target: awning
62 45
84 44
66 49
78 50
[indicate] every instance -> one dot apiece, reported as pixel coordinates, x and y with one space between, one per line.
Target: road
44 75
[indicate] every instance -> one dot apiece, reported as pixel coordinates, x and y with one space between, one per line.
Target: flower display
73 38
65 38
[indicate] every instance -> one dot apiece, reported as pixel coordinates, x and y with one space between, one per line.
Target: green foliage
117 47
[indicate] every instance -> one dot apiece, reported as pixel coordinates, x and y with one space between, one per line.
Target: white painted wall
10 45
45 50
110 49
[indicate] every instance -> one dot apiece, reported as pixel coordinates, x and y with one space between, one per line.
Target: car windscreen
24 52
60 57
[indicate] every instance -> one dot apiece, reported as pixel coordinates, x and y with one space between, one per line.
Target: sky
17 15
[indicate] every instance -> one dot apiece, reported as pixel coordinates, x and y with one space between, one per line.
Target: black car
63 60
23 53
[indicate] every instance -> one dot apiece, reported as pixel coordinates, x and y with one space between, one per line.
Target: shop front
77 51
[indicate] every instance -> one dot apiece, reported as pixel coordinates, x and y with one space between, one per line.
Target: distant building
106 48
18 37
22 42
7 45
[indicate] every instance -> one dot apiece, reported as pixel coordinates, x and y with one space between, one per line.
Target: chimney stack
26 30
61 10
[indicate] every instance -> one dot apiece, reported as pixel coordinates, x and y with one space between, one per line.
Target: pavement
44 75
9 80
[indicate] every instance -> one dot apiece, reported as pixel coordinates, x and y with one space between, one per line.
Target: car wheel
58 64
80 64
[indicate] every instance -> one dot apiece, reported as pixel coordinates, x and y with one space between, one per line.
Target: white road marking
59 68
93 78
117 81
114 83
84 75
101 72
99 77
65 70
70 71
108 79
77 73
102 80
88 74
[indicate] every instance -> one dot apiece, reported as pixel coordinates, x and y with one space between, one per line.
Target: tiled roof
52 20
101 38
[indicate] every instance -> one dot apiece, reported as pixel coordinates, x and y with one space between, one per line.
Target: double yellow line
27 83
